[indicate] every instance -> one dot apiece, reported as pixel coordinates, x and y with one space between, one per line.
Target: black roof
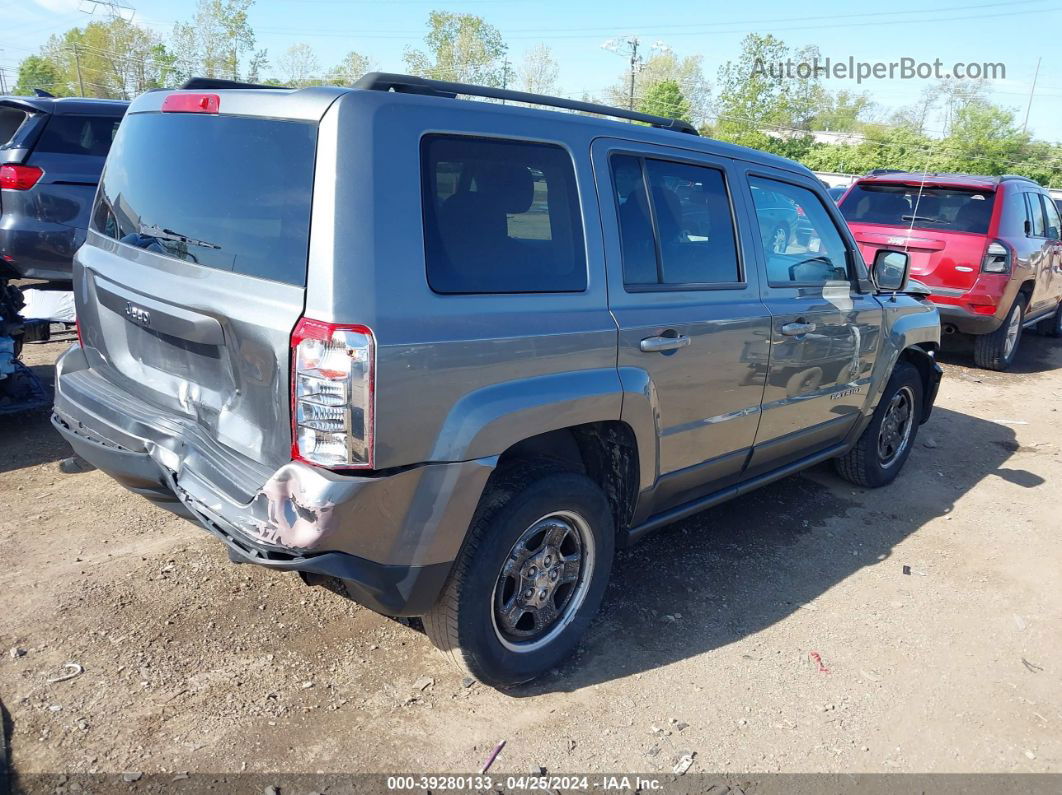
68 106
894 174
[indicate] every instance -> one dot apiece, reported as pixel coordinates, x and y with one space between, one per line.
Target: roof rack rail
205 83
408 84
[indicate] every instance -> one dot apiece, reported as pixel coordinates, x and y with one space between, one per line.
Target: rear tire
996 351
536 531
883 448
1051 326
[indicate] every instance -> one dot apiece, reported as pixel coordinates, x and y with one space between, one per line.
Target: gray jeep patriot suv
450 354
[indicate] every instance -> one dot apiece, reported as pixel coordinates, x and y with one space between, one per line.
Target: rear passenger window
1034 213
10 120
78 135
676 225
800 241
501 217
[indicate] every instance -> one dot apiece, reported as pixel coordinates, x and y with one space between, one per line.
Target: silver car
449 355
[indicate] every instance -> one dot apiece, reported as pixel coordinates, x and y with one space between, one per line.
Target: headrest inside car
512 186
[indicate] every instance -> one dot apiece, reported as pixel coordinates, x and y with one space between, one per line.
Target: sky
1015 34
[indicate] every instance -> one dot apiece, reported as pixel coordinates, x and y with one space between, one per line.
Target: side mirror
890 270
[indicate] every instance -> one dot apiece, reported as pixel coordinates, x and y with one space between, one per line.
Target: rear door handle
662 343
797 329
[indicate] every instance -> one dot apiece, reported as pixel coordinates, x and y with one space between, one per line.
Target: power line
692 29
873 18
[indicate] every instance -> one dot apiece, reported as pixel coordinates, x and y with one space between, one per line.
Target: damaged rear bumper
391 539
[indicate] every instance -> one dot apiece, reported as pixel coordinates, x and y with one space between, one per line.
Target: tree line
117 58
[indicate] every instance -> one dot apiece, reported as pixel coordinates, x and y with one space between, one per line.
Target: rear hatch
188 294
53 153
70 152
943 227
21 122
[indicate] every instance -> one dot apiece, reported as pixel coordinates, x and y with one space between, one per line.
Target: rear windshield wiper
159 233
923 218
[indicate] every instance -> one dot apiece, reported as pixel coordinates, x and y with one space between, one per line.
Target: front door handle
661 344
797 329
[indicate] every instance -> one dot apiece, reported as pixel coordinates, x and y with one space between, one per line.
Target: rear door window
947 209
225 192
78 135
676 224
501 216
1034 213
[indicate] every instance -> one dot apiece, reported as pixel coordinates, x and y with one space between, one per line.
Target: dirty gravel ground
706 644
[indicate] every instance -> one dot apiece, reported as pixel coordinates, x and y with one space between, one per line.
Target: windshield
226 192
951 209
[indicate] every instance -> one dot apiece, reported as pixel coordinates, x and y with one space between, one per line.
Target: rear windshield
952 209
225 192
78 135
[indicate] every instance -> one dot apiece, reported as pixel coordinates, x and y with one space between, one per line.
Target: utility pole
633 43
1032 91
505 75
3 81
629 49
77 62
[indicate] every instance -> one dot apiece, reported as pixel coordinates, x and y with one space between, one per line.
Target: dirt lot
707 644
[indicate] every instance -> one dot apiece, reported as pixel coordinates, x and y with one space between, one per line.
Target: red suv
987 247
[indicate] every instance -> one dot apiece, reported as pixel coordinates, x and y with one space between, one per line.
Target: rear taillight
332 394
14 176
997 258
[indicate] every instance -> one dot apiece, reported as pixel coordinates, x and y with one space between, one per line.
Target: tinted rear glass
949 209
679 232
10 120
225 192
78 135
501 217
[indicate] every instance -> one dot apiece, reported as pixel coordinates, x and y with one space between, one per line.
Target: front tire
883 448
996 351
530 577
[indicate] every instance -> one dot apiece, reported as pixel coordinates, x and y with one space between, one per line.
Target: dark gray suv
448 355
51 154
